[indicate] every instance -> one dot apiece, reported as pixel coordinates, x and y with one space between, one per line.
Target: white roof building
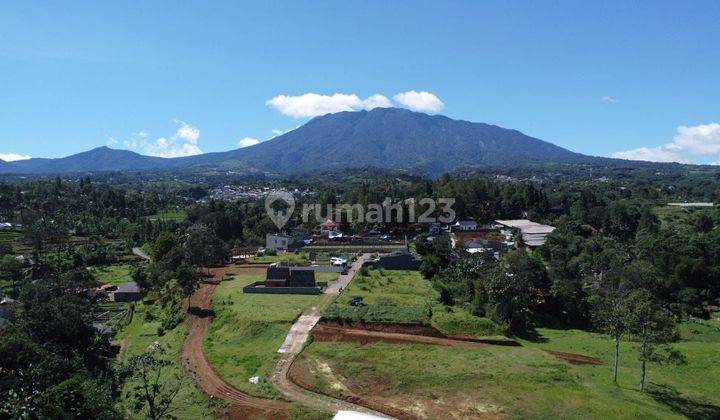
533 234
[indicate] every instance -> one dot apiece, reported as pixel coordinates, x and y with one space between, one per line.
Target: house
329 227
465 225
278 242
277 276
404 261
6 226
127 292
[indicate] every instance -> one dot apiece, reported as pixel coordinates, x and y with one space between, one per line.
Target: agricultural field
436 381
137 337
244 337
113 274
398 296
9 236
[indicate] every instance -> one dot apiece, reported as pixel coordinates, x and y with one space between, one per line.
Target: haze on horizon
168 80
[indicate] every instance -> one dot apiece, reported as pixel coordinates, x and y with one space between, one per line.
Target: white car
338 261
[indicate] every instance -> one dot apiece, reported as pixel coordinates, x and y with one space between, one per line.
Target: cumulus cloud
248 141
609 100
11 157
112 141
691 144
183 143
313 104
419 101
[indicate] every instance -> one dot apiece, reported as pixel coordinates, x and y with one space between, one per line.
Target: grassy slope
244 337
406 297
138 335
113 274
526 381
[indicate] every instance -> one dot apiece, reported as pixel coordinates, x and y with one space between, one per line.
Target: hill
382 137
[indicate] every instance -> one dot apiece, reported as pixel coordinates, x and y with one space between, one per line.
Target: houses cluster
232 193
493 237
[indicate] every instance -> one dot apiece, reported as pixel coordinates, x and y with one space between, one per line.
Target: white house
465 225
278 242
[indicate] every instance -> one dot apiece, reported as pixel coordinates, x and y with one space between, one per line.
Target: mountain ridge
382 137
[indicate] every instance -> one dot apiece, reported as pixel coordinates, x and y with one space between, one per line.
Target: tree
515 290
155 383
187 279
203 247
608 311
648 323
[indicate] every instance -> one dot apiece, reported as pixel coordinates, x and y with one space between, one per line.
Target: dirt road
192 356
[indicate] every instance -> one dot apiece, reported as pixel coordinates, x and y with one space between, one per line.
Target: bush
364 271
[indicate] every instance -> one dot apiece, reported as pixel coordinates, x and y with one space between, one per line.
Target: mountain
382 137
95 160
392 138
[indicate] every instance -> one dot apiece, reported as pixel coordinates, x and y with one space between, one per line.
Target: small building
127 292
435 229
279 276
329 227
465 225
278 242
404 261
533 234
691 205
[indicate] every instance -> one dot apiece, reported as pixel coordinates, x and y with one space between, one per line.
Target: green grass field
137 337
397 296
247 331
170 214
113 274
9 236
286 257
434 381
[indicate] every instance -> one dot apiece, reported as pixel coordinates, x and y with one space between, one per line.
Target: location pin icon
279 217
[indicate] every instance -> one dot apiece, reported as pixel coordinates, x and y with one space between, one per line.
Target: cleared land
560 373
244 337
435 381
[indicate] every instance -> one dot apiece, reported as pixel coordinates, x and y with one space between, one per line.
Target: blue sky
173 78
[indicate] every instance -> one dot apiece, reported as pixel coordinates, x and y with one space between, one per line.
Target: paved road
295 341
140 253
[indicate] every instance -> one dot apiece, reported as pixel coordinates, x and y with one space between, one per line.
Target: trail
140 253
192 354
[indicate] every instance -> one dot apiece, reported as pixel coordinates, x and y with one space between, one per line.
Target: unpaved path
294 343
140 253
332 333
192 354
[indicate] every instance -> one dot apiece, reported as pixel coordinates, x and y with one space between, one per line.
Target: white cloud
276 132
313 104
376 101
419 101
609 100
691 144
112 141
248 141
11 157
183 143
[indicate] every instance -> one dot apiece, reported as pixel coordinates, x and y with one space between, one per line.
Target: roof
129 287
355 415
533 234
329 223
691 204
277 273
466 223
